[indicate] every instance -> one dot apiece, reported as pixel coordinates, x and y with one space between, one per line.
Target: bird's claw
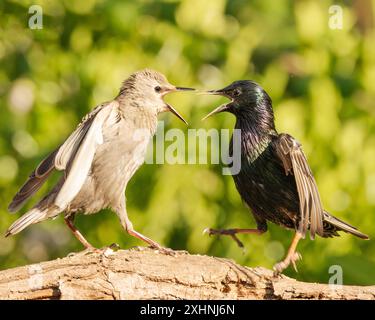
296 256
159 249
86 251
166 251
106 251
238 241
226 232
282 265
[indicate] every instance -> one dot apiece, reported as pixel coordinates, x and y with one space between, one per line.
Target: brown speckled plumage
100 157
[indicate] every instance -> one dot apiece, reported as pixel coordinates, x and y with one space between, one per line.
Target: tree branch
147 274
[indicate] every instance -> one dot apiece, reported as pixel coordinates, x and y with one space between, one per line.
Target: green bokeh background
321 80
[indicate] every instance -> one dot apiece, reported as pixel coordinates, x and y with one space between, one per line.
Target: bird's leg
292 257
232 233
132 232
69 222
128 226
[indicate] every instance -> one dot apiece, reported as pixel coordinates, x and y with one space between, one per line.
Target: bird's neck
140 117
257 128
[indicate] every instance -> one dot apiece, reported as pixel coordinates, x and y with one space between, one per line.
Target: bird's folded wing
71 145
294 161
58 159
78 153
34 182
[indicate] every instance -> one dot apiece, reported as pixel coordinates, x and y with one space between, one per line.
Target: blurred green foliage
322 82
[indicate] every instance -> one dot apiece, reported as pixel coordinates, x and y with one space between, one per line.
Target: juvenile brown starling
100 157
274 180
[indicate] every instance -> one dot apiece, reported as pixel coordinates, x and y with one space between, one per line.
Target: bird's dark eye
157 89
236 92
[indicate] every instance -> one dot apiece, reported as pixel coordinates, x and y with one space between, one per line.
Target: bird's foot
166 251
106 251
290 259
225 232
158 249
86 251
153 244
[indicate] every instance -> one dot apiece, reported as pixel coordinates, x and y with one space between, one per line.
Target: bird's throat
256 134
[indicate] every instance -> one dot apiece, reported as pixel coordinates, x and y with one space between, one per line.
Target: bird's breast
265 188
117 159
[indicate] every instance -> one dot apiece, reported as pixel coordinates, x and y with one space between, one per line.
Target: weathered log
148 274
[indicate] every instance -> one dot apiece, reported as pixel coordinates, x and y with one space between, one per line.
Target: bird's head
147 89
247 97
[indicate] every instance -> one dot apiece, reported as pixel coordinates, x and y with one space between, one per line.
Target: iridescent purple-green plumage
275 180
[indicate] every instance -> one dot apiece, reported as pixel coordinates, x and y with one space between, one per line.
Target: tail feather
33 216
340 225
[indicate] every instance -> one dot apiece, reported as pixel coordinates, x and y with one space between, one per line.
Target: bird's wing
71 145
78 154
58 159
34 182
294 161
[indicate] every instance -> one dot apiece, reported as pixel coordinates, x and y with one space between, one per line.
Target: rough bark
148 274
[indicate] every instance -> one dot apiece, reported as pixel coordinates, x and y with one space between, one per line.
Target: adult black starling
100 157
275 180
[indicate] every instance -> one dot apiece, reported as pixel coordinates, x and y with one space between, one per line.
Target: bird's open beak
221 108
170 108
175 112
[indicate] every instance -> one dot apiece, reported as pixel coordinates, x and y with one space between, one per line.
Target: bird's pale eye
157 89
236 92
